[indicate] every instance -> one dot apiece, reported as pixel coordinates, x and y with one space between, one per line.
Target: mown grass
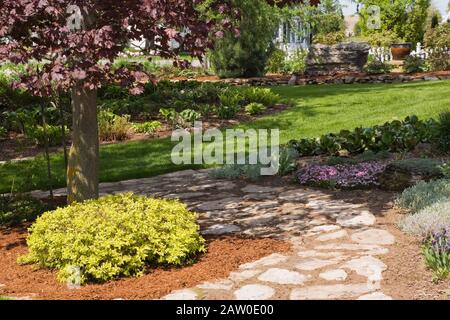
317 110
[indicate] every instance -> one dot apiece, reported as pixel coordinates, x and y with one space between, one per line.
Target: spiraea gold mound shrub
114 236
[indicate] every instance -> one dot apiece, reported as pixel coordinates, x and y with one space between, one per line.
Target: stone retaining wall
349 78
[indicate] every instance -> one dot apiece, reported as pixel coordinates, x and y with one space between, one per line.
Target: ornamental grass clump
342 176
114 236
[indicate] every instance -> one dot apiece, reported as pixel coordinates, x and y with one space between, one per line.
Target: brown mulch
407 277
224 256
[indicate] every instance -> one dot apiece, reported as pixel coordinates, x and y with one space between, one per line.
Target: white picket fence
384 54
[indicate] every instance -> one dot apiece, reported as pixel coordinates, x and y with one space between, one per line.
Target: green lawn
318 110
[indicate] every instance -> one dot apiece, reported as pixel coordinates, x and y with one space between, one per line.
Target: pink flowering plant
361 175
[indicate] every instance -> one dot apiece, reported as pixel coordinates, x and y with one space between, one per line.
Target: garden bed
224 256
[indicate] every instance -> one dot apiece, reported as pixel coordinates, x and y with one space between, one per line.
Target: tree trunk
83 168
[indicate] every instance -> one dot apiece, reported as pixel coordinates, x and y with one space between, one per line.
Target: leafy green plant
3 132
276 61
113 127
446 170
439 39
375 66
424 166
437 253
383 39
296 63
16 209
424 194
288 161
258 95
52 133
114 236
394 136
250 172
330 38
443 132
188 116
255 108
414 64
149 127
246 55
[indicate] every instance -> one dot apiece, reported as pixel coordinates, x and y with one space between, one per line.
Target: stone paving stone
374 236
317 254
227 203
220 229
254 292
363 249
283 276
244 275
217 285
367 266
334 275
324 228
271 260
375 296
315 264
336 291
253 188
333 236
365 218
186 294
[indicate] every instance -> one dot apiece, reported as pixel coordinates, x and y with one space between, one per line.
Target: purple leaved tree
74 43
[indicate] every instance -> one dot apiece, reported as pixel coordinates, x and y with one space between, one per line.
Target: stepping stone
318 254
293 209
334 275
254 292
314 264
256 208
330 291
187 196
324 228
295 195
375 296
253 188
333 236
361 220
365 249
219 285
185 294
271 260
227 203
283 276
367 266
220 229
244 275
258 220
374 236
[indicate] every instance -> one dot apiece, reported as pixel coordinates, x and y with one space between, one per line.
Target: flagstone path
337 247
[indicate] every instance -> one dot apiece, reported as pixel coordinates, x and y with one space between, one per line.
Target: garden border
347 78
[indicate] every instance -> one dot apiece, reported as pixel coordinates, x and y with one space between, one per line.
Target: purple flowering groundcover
342 176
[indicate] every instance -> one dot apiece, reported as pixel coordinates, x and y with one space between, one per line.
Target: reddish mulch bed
224 256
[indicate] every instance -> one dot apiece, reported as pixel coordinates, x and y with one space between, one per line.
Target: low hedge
114 236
